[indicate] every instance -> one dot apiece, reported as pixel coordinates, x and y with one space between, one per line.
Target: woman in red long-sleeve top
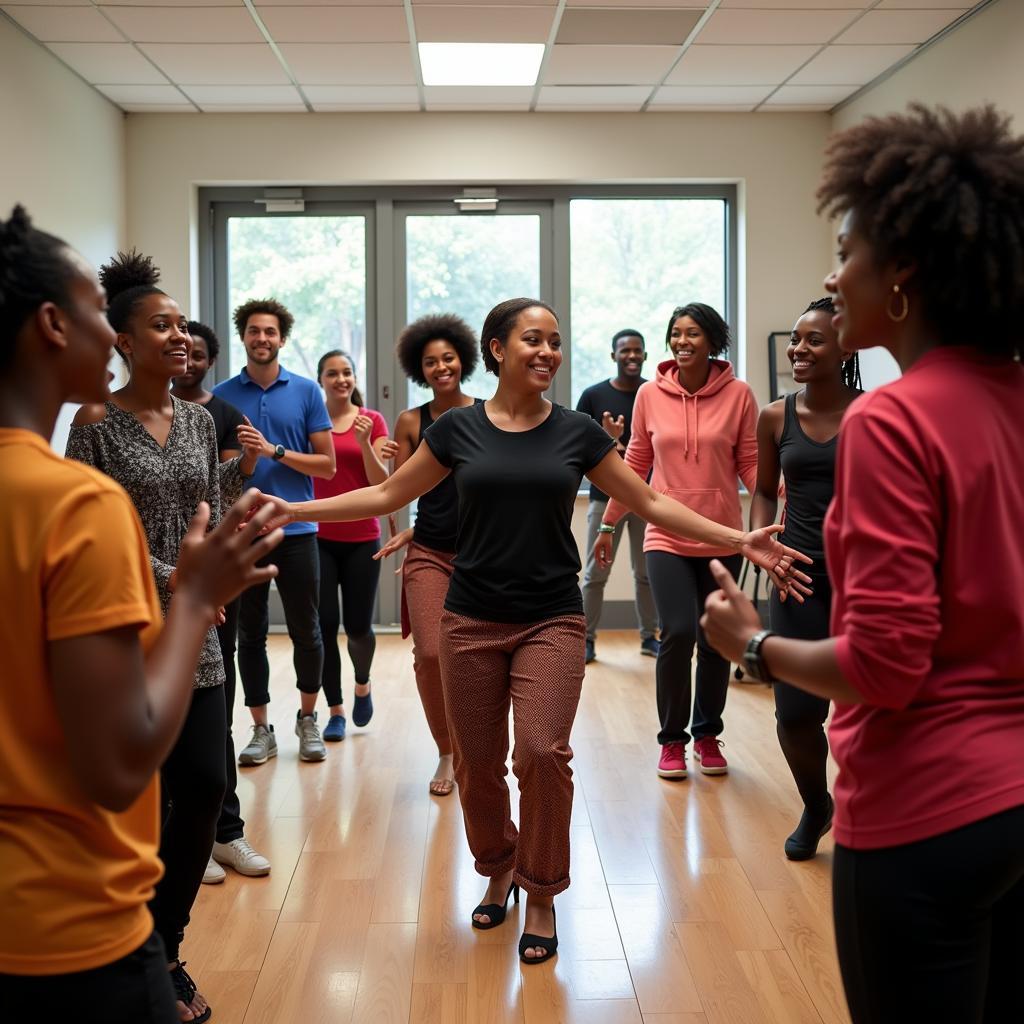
926 658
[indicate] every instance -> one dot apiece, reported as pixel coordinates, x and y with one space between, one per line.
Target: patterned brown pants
425 576
538 668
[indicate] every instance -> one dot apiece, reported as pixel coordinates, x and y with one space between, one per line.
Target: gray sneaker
311 747
261 747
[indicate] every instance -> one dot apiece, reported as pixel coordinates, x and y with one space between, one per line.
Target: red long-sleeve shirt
923 542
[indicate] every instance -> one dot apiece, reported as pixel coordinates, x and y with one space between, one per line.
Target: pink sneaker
706 752
672 763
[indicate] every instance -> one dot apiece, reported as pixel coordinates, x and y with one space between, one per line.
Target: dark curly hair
944 191
285 321
627 332
199 330
128 278
708 320
34 268
437 326
850 370
499 324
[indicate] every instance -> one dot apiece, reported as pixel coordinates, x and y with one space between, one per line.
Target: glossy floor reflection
682 910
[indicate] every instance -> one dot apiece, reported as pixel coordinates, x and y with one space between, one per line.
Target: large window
632 262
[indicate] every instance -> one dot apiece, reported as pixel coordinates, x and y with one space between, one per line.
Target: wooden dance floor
682 909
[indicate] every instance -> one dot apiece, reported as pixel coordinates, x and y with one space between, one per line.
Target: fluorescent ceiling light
480 63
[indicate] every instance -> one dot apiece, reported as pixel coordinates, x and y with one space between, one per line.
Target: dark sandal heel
529 941
495 911
185 990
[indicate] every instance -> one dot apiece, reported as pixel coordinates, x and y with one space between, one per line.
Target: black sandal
185 990
550 946
495 911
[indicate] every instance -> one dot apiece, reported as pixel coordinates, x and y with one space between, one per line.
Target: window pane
466 264
632 261
316 266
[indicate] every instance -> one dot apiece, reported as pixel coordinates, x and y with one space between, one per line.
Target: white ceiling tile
109 63
608 65
707 108
849 65
243 95
173 3
361 95
764 27
920 5
739 65
813 95
217 63
174 25
309 24
350 63
477 95
364 108
157 108
693 5
254 108
710 95
803 5
144 94
898 26
796 108
631 96
464 24
65 24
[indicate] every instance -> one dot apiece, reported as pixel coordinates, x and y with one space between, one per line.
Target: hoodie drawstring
686 429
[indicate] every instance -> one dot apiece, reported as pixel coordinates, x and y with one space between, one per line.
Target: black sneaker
650 647
591 653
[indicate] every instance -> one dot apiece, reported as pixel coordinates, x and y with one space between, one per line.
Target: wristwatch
753 661
606 528
278 452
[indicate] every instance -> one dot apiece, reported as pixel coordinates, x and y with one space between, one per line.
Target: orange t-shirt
74 878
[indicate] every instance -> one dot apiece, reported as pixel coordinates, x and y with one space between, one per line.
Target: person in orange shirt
92 691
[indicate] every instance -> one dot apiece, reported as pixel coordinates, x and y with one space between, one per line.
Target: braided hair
128 278
34 269
850 370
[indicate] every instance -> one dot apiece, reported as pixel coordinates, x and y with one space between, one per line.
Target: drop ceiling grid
599 54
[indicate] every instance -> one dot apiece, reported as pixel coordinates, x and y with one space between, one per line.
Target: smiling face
814 350
441 365
532 354
159 342
629 356
199 364
262 338
689 343
338 378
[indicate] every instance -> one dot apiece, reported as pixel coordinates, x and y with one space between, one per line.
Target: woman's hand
252 440
603 550
281 512
398 541
388 450
762 548
730 618
361 426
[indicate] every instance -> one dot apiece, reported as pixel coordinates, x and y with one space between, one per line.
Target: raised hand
251 440
388 450
613 428
730 618
763 548
362 427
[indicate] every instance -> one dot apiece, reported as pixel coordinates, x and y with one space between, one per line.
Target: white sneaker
214 873
239 855
261 747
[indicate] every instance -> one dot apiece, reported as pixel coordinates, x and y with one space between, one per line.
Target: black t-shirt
226 418
599 399
516 559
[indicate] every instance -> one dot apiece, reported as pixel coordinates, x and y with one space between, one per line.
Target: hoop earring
904 307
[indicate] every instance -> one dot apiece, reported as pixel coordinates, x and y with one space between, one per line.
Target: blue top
285 413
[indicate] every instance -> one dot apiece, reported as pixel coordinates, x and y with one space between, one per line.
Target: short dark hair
627 332
198 330
127 279
417 335
34 269
708 320
944 191
850 371
285 321
499 324
357 398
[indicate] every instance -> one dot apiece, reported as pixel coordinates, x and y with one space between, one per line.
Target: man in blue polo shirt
288 421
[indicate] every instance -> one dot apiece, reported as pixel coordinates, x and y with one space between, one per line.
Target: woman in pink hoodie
695 425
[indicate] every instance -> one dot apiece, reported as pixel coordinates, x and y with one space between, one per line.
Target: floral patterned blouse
166 485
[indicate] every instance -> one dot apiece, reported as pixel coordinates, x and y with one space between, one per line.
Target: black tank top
437 511
809 470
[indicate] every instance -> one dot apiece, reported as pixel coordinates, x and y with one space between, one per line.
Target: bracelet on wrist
606 528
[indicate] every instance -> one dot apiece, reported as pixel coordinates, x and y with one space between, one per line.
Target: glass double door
354 274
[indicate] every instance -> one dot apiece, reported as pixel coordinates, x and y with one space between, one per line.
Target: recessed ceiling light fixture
480 63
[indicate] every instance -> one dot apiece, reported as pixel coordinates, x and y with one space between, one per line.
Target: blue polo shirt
285 413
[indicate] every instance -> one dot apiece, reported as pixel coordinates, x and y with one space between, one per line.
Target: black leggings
934 930
192 788
800 716
681 586
349 567
230 825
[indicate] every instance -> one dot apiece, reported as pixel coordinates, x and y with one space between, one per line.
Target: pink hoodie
698 445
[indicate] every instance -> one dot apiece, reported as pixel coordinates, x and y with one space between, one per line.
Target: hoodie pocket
708 502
